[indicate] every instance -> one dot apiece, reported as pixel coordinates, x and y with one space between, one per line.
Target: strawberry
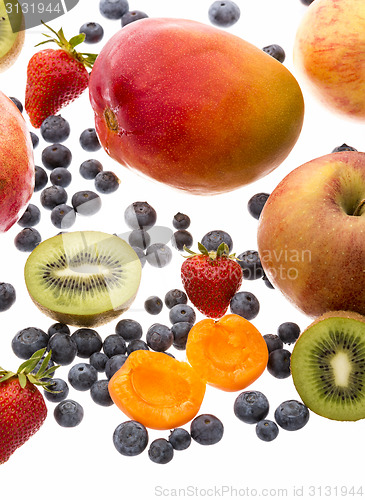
22 407
211 279
56 77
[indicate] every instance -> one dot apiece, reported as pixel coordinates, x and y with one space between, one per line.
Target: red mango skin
311 247
16 164
193 106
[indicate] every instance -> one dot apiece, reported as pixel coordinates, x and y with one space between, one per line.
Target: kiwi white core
341 369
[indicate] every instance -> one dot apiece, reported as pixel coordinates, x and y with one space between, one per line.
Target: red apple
193 106
16 164
311 235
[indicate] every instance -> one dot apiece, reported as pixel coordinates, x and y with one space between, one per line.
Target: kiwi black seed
328 366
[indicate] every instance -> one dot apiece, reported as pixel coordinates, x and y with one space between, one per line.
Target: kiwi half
12 32
328 366
83 278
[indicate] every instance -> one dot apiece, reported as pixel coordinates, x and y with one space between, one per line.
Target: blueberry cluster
279 358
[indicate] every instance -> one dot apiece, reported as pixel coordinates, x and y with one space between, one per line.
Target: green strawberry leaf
222 249
76 40
22 380
202 249
6 376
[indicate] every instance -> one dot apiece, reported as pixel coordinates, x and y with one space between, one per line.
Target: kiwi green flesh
83 278
8 36
328 368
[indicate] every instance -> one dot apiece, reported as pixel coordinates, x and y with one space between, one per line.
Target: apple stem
359 208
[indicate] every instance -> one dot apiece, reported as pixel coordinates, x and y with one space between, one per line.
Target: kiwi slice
83 278
11 32
328 366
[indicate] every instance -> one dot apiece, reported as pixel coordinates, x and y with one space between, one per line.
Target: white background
83 461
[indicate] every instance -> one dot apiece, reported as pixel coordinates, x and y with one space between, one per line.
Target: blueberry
27 239
63 347
113 364
174 297
130 438
98 360
89 140
63 216
267 430
93 32
158 255
113 9
129 329
273 342
251 265
106 182
289 332
278 364
86 202
307 2
182 312
344 147
224 13
28 341
90 168
68 413
181 221
206 429
82 376
267 282
181 239
52 196
161 451
59 390
251 406
100 394
159 337
153 305
17 103
213 239
245 304
40 178
88 341
139 238
114 344
180 332
56 155
55 129
256 204
133 15
275 51
136 345
180 439
291 415
30 217
60 177
34 139
140 215
58 328
7 296
140 254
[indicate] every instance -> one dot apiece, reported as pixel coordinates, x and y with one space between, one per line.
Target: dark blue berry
17 103
27 239
100 394
59 390
129 329
60 177
82 376
52 196
159 337
343 147
86 202
161 451
99 360
278 364
251 406
181 239
68 413
40 178
136 345
275 51
288 332
267 430
106 182
113 364
131 16
273 342
256 204
139 238
140 215
181 221
140 254
153 305
158 255
30 217
267 282
34 139
224 13
114 344
113 9
182 312
130 438
58 328
7 296
206 429
88 342
245 304
56 155
180 439
307 2
90 168
89 140
291 415
213 239
63 216
174 297
180 332
93 32
251 265
63 347
28 341
55 129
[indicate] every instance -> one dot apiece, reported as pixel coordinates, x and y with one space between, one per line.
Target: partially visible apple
16 164
311 234
329 51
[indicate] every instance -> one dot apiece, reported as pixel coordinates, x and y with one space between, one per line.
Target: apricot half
157 390
228 354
